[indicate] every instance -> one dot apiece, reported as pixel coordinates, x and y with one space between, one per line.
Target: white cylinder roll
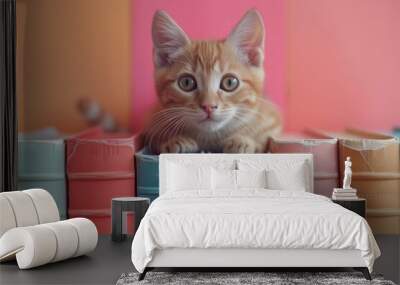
45 205
7 218
87 233
23 208
30 230
33 246
40 244
67 240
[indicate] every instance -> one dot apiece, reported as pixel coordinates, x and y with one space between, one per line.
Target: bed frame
245 259
242 259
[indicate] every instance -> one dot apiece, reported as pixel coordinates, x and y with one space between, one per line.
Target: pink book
100 166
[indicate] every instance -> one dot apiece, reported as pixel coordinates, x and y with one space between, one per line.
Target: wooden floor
110 260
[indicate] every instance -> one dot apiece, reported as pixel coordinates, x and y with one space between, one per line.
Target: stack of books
344 194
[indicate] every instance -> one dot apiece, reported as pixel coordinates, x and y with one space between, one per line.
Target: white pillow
251 178
282 174
223 179
227 179
183 177
292 179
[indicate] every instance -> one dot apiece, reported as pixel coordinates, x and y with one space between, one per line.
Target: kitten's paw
239 144
179 144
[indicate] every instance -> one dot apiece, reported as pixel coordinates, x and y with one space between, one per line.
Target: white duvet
252 218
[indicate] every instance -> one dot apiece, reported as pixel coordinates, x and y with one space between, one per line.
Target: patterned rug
243 278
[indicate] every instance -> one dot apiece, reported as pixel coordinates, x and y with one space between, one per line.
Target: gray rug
243 278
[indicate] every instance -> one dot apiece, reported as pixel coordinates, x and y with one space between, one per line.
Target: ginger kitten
210 92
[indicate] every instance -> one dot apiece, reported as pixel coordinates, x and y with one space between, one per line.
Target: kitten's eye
229 83
187 83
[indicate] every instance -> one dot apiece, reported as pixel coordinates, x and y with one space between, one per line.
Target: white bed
201 223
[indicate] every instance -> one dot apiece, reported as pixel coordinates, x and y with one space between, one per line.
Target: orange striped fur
203 115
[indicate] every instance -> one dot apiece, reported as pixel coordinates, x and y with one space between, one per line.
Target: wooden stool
138 205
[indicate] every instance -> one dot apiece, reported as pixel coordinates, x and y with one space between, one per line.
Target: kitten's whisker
263 116
167 128
172 128
159 136
160 122
160 125
243 124
248 112
165 113
178 128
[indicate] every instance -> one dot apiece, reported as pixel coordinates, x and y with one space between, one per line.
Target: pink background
329 64
205 19
343 64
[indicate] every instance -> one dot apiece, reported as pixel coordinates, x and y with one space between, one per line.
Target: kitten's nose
209 108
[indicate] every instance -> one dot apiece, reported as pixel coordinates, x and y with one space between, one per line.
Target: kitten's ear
248 38
168 39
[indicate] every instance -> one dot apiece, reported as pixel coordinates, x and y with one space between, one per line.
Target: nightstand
138 205
357 205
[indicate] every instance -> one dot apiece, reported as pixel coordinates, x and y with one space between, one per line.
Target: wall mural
205 76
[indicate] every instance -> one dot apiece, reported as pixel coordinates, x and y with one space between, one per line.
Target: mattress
251 219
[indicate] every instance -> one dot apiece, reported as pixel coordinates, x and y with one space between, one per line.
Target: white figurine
347 192
347 174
